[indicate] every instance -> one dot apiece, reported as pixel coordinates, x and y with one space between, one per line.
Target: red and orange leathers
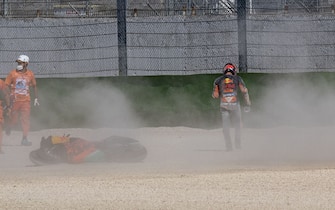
227 88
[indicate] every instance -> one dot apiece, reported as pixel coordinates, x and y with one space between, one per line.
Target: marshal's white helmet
23 58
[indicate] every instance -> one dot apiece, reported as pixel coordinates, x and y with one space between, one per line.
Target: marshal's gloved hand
36 102
7 111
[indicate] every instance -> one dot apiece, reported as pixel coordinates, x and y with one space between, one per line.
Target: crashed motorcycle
66 149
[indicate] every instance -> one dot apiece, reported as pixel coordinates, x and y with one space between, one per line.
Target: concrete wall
173 45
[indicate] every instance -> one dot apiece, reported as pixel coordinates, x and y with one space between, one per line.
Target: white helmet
23 58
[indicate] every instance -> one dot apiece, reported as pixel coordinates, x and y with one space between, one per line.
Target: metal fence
169 45
108 8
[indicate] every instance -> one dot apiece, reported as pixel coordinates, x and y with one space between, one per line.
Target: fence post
122 36
242 35
5 8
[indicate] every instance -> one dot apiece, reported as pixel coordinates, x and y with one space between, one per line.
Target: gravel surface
186 168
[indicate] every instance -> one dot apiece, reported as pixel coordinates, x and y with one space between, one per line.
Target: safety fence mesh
108 8
175 44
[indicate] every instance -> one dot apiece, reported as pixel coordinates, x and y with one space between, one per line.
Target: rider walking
228 87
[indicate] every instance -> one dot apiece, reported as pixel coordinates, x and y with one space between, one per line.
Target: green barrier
154 100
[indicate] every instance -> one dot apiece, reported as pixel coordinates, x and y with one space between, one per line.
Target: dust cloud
296 120
107 106
298 102
94 105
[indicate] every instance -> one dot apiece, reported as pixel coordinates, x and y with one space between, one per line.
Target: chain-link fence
168 45
108 8
64 48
